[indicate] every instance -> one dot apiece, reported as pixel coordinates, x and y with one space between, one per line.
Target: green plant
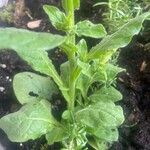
119 12
6 13
85 82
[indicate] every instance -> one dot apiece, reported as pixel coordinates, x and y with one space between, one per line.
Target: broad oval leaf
30 122
58 18
102 113
24 40
101 117
107 134
121 38
87 28
30 86
106 94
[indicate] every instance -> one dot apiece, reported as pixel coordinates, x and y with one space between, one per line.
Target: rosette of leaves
85 81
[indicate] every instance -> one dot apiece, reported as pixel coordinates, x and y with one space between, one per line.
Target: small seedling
85 81
119 12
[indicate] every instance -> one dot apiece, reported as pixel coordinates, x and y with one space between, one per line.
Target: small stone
7 77
34 24
2 89
3 66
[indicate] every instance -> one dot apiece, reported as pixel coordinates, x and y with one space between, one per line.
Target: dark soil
134 83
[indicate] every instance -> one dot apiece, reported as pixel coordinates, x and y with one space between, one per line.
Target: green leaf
85 68
29 87
97 144
24 40
68 48
87 28
100 75
106 73
107 134
101 119
65 70
76 4
82 50
56 135
112 72
121 38
90 73
30 122
83 84
67 4
102 113
30 45
41 62
58 18
106 94
66 74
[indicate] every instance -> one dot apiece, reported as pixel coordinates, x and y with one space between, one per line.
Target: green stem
72 57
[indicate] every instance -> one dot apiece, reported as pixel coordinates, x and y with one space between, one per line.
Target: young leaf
87 28
85 68
76 4
69 48
30 122
65 69
66 3
56 135
106 117
24 40
112 72
106 94
29 87
58 18
121 38
82 50
83 84
65 73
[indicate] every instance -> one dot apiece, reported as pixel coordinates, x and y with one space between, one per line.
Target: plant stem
72 57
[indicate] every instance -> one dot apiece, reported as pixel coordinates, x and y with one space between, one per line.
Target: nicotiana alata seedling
85 81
